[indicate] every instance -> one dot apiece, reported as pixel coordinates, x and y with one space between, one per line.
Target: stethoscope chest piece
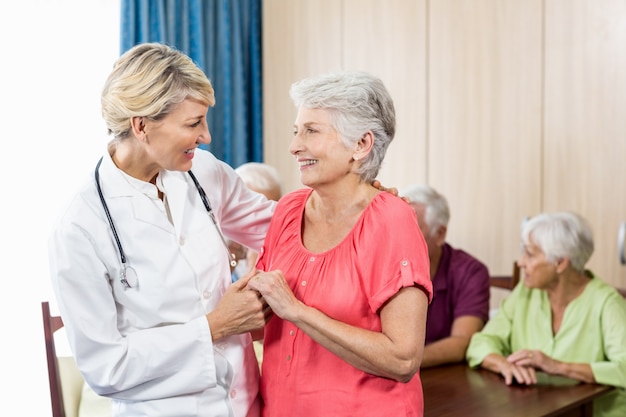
128 277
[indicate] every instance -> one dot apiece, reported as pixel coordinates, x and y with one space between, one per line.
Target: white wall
54 58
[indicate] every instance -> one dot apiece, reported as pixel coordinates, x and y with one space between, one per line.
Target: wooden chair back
50 325
507 282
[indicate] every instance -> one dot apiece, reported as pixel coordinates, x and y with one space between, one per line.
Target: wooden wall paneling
484 138
300 38
388 39
585 123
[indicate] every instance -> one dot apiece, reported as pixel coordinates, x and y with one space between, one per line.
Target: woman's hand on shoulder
391 190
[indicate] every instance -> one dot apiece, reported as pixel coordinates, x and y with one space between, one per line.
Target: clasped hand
276 292
523 364
240 310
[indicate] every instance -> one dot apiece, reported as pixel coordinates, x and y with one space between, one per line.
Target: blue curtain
223 37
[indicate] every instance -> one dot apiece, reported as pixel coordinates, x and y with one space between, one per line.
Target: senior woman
561 320
350 281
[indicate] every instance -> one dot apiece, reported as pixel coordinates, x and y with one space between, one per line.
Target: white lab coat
149 347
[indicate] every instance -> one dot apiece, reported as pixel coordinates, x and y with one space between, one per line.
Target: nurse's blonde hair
149 80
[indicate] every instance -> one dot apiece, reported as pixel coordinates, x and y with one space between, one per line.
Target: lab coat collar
176 187
115 186
112 180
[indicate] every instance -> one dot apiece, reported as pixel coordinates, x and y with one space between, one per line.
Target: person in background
261 178
347 266
138 262
562 320
460 305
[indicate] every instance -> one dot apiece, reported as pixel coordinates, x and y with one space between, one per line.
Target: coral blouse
383 253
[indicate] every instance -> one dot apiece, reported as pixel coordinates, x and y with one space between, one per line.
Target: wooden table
457 390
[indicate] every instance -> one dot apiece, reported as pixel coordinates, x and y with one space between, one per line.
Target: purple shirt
460 288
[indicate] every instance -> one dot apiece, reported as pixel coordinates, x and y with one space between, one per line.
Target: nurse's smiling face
170 142
165 144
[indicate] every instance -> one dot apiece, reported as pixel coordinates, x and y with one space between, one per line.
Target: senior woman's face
538 271
321 155
171 141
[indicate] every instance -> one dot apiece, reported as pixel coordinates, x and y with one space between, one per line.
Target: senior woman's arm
613 370
536 359
395 352
610 371
495 337
490 347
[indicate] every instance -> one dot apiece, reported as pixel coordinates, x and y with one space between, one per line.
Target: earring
356 158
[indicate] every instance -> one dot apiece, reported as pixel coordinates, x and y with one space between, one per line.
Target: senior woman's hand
535 359
511 372
239 311
276 292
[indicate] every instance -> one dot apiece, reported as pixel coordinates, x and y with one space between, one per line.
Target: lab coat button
206 294
233 393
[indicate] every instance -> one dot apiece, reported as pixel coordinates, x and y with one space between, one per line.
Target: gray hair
148 81
260 176
358 102
437 211
561 235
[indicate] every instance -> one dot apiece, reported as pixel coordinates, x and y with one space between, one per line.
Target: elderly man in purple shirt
460 305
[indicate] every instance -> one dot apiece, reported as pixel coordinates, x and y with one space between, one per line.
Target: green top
593 331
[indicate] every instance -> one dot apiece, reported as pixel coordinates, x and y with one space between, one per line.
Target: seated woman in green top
561 319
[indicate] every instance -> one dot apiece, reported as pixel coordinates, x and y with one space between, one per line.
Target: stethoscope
205 200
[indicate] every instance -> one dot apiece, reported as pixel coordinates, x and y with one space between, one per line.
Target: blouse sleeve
613 324
392 253
495 337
